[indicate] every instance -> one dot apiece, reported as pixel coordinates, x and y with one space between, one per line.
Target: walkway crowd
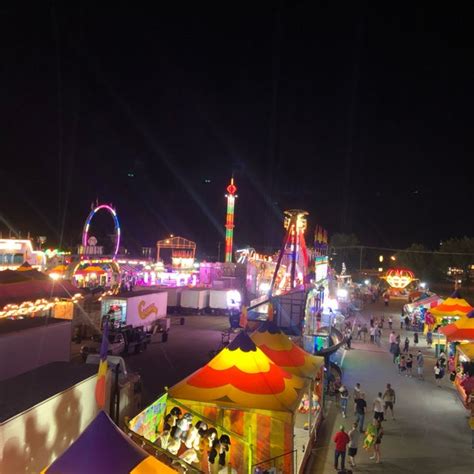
367 428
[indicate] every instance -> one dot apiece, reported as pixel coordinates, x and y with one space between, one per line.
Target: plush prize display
193 437
182 426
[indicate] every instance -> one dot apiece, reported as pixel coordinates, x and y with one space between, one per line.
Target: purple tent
101 449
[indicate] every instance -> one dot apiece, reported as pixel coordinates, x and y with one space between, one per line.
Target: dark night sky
363 116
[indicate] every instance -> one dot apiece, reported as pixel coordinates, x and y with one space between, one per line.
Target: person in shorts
378 407
389 400
353 443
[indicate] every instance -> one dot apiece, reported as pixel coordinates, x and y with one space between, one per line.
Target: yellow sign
145 312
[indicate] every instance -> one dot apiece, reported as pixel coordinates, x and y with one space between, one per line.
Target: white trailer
137 308
194 300
221 301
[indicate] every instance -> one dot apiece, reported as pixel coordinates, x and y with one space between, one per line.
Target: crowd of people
409 361
372 434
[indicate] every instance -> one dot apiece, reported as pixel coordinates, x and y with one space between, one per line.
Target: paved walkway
431 432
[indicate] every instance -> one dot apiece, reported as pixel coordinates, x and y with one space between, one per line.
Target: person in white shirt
372 335
378 407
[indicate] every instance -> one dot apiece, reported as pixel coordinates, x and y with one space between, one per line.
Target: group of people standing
373 433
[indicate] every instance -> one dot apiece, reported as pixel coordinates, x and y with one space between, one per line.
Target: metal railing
275 462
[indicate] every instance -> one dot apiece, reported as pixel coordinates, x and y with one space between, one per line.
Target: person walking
402 365
395 350
357 391
407 323
348 338
397 339
341 438
420 362
415 339
378 333
390 322
386 298
389 399
378 441
442 359
344 394
353 443
391 337
359 332
429 339
365 330
372 334
378 407
360 407
437 372
409 360
406 345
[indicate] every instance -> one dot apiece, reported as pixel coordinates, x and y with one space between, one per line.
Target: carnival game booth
104 448
245 395
464 367
450 310
287 355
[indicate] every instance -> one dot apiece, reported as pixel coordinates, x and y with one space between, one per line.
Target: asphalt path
430 433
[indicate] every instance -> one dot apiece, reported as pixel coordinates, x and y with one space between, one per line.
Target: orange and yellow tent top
462 329
467 349
284 352
241 376
452 307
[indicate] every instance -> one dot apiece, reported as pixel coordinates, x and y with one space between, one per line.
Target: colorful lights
85 233
229 222
399 277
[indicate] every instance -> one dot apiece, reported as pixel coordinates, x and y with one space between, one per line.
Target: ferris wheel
94 211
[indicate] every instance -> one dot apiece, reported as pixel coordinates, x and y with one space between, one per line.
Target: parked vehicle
126 340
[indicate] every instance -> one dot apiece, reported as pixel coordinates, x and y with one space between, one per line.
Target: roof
15 276
31 290
467 350
14 325
241 376
284 352
132 294
24 391
103 447
462 329
452 307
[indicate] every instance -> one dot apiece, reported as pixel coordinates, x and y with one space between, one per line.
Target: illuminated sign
399 277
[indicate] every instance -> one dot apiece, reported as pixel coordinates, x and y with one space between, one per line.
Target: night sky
362 116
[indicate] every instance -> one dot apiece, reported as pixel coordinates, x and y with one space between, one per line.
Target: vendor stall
464 367
448 312
237 411
102 447
286 354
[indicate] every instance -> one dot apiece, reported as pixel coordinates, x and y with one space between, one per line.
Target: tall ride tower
229 220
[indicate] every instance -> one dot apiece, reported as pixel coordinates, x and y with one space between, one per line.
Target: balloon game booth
446 313
251 408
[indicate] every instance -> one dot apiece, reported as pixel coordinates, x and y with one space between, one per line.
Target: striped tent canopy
104 448
241 376
284 352
452 307
462 329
